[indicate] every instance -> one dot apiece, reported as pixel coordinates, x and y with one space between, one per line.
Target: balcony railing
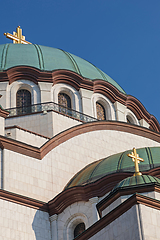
44 107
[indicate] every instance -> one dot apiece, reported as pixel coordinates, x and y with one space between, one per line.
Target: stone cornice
3 113
97 189
22 200
77 81
39 153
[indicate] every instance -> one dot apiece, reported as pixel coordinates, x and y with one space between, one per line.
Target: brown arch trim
3 113
96 126
39 153
23 200
77 81
96 189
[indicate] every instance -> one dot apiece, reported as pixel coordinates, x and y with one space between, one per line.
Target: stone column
94 202
120 111
3 115
86 96
45 89
54 232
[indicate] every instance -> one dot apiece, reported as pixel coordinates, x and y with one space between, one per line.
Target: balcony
50 106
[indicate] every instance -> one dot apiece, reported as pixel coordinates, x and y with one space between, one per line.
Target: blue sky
121 37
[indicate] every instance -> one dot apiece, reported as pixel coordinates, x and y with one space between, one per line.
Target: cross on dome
136 159
17 37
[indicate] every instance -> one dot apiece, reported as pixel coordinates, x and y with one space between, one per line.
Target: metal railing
44 107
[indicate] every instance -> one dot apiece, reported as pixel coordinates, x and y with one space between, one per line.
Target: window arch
101 114
23 101
79 229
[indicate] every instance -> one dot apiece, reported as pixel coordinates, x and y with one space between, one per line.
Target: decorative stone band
39 153
3 113
64 199
77 81
117 212
22 200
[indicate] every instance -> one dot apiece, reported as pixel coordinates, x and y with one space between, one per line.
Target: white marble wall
2 122
25 137
150 221
48 124
18 222
125 227
61 123
1 168
44 179
28 176
39 123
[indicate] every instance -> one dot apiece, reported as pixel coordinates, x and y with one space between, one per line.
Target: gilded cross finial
17 37
136 159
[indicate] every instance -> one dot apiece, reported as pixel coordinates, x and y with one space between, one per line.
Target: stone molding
39 153
22 200
77 81
98 188
3 113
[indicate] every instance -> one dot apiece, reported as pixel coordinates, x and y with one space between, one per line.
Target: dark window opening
64 100
129 119
79 229
101 115
23 101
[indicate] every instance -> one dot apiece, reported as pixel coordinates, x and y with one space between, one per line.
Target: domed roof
116 163
49 59
136 181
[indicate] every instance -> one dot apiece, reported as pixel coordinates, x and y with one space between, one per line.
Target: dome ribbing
49 59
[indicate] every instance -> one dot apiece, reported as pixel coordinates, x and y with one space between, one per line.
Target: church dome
136 181
116 163
49 59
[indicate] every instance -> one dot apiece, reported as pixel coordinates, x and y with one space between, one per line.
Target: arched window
79 229
23 101
64 100
129 119
101 115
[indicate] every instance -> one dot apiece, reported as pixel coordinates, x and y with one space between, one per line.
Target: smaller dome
137 181
116 163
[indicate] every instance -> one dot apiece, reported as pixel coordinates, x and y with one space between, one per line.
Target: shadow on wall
41 226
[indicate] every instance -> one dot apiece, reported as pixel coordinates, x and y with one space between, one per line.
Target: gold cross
136 159
17 37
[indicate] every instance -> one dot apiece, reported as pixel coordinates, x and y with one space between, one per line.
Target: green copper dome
119 162
137 181
49 59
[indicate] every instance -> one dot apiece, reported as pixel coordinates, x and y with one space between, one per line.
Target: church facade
66 129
